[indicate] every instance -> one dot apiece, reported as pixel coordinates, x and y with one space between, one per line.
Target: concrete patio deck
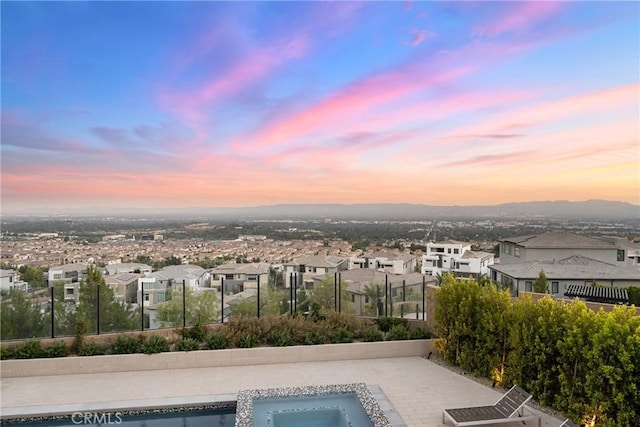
417 388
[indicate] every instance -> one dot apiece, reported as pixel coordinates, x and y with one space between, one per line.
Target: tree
373 292
202 307
276 278
324 294
540 285
273 301
114 315
21 317
33 275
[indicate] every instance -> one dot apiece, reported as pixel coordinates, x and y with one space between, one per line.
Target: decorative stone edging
213 358
246 398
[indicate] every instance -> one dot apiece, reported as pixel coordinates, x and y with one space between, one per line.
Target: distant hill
596 209
558 209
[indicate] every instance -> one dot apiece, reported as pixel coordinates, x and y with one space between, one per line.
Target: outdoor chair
509 408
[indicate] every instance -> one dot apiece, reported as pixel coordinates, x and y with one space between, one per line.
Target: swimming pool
338 405
170 417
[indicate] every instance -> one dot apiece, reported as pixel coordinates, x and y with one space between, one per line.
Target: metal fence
51 313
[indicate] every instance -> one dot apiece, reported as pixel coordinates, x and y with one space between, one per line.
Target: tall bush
571 358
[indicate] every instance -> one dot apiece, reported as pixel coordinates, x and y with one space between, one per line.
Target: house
240 277
452 256
359 283
560 244
124 286
129 267
155 288
315 265
9 280
392 262
572 270
70 276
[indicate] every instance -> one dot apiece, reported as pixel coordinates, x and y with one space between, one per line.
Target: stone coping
213 358
246 398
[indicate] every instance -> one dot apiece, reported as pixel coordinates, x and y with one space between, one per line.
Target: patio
417 388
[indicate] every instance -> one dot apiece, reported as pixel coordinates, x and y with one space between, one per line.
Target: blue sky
247 103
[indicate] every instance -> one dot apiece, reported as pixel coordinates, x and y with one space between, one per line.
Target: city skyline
177 104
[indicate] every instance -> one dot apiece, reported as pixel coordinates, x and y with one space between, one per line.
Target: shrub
186 344
280 338
314 338
342 335
384 323
155 344
29 349
91 349
354 325
215 341
398 332
196 332
7 352
372 334
418 333
57 349
126 344
247 341
634 295
81 332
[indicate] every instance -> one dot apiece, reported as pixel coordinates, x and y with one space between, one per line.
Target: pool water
190 418
331 410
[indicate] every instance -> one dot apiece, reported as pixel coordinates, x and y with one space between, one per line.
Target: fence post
339 292
184 304
52 313
423 297
291 294
386 294
335 291
98 309
142 307
222 299
258 296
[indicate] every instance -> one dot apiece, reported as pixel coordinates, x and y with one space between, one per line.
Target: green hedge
578 361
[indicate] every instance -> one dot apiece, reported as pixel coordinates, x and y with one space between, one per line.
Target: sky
109 105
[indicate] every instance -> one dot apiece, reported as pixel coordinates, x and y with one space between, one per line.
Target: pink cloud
418 36
521 17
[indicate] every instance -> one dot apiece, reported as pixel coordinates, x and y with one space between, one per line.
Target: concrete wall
213 358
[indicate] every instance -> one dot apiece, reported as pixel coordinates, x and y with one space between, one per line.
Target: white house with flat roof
240 277
392 262
452 256
9 279
314 265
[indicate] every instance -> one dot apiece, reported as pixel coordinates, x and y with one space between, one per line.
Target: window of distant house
620 254
516 251
160 297
528 285
252 277
448 250
69 291
228 276
10 279
554 287
146 297
57 276
456 251
366 300
353 297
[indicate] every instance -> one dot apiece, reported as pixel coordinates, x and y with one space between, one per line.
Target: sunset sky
181 104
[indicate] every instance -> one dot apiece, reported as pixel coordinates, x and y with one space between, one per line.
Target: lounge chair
509 408
568 423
